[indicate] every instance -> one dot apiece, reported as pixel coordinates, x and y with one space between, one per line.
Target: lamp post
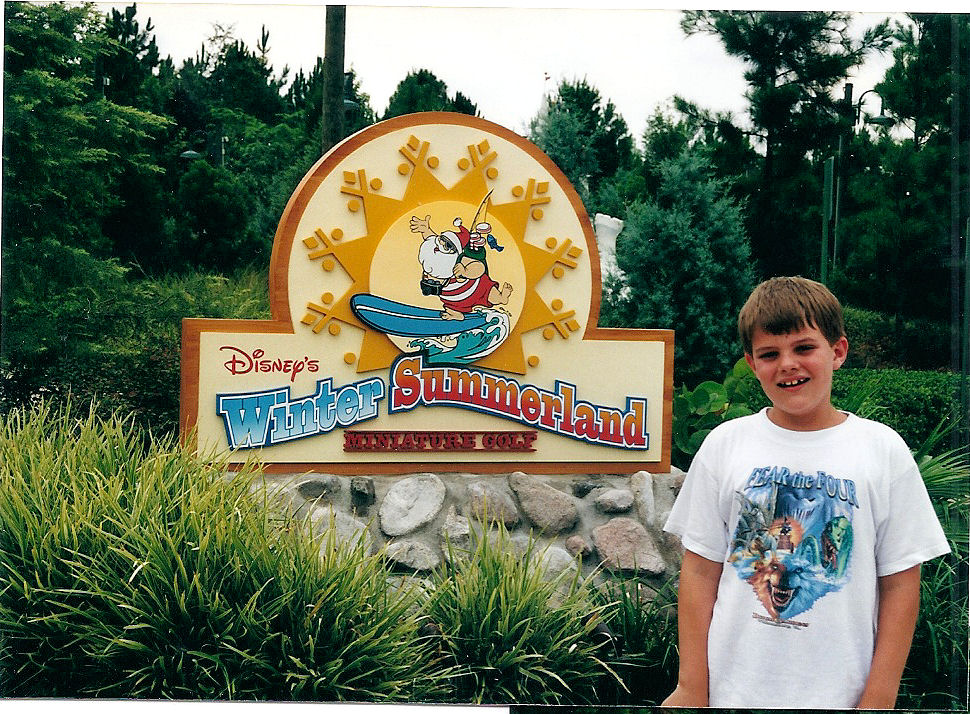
840 179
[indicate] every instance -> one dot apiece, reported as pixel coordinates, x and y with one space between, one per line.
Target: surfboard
396 318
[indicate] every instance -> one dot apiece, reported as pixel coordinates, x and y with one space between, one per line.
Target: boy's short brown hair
782 305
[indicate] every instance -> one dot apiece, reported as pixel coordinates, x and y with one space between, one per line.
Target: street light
855 113
879 120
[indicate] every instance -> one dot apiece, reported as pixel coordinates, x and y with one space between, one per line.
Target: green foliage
422 91
133 570
697 411
686 266
119 344
913 401
514 633
646 620
587 139
878 340
793 62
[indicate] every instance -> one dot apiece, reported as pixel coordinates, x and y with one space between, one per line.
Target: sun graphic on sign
479 305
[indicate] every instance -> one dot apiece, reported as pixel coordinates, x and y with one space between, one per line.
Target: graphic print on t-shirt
793 539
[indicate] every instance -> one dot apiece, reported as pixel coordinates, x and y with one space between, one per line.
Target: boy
804 530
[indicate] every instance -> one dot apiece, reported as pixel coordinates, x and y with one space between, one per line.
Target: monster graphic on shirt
793 539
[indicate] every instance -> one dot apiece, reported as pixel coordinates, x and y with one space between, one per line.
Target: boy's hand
683 697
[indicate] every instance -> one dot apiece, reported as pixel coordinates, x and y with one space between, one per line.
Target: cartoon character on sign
455 268
473 320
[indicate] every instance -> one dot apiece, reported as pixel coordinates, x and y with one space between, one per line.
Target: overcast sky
497 56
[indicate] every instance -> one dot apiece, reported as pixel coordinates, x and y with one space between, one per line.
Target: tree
578 116
65 147
894 254
305 96
794 60
685 260
560 135
917 89
422 91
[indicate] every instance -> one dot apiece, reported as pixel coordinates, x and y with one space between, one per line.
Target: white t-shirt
804 522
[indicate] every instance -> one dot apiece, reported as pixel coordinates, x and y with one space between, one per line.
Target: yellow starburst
383 216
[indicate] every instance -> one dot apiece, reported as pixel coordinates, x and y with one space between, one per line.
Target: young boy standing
804 528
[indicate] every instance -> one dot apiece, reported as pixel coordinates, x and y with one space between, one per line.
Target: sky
503 58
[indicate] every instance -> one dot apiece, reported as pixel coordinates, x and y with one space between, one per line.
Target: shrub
131 569
645 619
880 340
121 349
686 266
913 402
516 634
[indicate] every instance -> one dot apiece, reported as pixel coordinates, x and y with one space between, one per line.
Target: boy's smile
795 372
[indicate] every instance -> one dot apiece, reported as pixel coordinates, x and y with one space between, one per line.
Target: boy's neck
829 418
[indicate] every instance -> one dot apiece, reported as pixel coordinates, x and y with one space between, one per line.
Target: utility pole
333 76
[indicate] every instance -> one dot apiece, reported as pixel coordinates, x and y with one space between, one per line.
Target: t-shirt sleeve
910 533
696 516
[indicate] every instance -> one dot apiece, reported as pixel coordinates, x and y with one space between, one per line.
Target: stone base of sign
578 521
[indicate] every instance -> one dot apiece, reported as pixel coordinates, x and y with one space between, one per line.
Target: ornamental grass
516 632
129 568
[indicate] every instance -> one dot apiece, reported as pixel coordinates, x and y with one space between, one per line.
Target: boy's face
795 372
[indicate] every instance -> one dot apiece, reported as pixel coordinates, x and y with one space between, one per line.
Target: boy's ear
750 360
841 349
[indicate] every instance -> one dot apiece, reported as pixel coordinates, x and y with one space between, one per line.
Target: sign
435 290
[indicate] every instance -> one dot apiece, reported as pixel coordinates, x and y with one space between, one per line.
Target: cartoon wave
470 346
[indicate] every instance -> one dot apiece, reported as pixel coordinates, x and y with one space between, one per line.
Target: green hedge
913 401
879 340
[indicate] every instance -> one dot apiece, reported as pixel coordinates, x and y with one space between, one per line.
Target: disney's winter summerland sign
434 287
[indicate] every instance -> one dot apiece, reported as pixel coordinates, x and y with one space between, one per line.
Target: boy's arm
898 610
695 606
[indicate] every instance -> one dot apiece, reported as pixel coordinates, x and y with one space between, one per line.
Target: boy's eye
767 355
805 348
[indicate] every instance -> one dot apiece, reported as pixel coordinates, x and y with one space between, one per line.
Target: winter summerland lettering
842 488
412 385
258 419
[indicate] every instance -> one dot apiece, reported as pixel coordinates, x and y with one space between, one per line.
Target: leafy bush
120 346
516 634
131 569
697 411
914 402
880 340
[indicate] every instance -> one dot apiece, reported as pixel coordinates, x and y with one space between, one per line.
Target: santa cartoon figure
455 269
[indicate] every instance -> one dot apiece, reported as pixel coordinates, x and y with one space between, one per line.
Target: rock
347 529
493 502
318 488
665 490
614 500
624 544
578 546
456 535
413 555
642 484
362 493
549 509
411 504
554 561
581 489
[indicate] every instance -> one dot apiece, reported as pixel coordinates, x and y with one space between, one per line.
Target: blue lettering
271 417
247 417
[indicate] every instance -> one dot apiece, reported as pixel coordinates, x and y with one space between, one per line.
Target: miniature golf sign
434 288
